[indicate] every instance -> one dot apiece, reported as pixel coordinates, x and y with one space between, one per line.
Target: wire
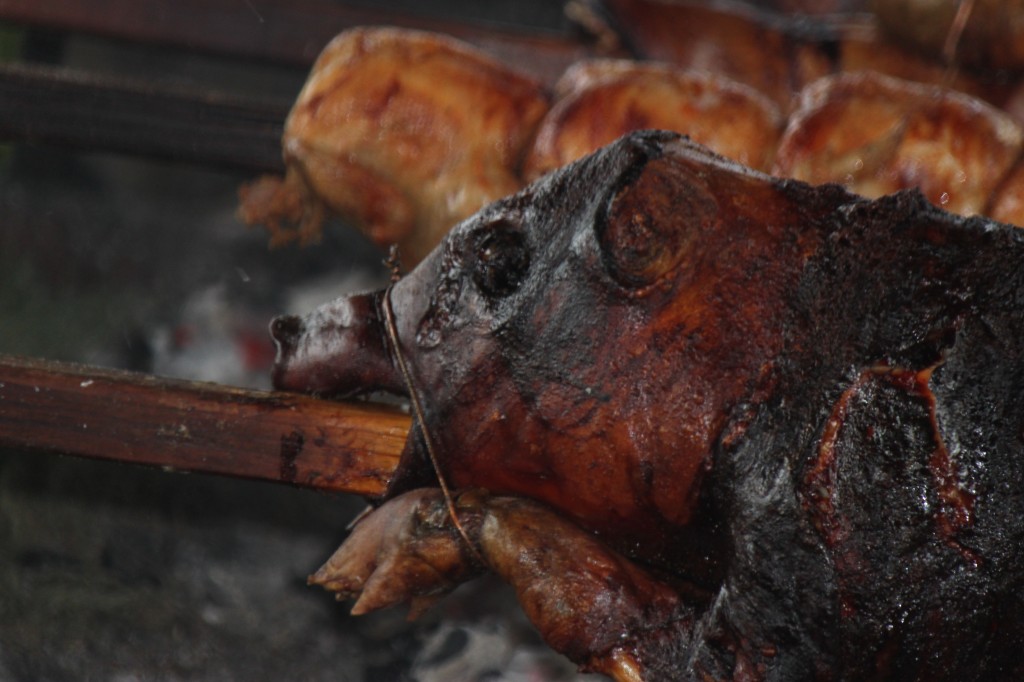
392 332
956 31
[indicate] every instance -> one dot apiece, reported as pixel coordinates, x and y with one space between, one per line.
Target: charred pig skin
708 423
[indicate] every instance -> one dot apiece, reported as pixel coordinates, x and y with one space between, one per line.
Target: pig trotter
406 551
600 609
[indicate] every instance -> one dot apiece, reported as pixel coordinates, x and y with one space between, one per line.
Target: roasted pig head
583 325
708 423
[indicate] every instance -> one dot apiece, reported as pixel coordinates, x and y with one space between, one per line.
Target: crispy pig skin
876 135
602 100
403 133
709 424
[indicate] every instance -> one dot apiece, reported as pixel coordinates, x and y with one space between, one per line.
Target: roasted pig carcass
403 134
877 134
600 101
709 424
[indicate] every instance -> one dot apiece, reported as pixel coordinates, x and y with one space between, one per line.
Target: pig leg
408 550
600 609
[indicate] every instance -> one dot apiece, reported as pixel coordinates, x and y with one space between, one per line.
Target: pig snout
286 330
338 350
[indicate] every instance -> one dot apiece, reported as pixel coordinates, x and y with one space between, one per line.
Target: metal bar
292 32
57 106
55 407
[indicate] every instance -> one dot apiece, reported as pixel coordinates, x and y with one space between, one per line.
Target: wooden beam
85 411
57 106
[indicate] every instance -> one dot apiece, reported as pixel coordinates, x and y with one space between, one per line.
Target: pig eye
501 259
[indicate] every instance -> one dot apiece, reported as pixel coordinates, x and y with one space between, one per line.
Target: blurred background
115 572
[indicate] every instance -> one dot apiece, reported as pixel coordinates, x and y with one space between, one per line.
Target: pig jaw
338 350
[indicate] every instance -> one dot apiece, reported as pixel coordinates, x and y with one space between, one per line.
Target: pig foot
588 602
408 550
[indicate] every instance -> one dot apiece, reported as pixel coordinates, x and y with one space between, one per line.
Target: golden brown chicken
602 100
780 54
730 39
877 135
402 133
1008 202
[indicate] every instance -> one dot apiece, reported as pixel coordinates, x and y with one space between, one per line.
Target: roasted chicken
600 101
403 134
877 135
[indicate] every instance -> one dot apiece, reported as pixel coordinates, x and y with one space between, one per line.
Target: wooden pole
55 407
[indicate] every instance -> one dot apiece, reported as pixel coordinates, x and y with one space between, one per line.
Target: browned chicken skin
1008 202
600 101
732 40
402 132
877 135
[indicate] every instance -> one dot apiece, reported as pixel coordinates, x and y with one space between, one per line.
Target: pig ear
652 220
